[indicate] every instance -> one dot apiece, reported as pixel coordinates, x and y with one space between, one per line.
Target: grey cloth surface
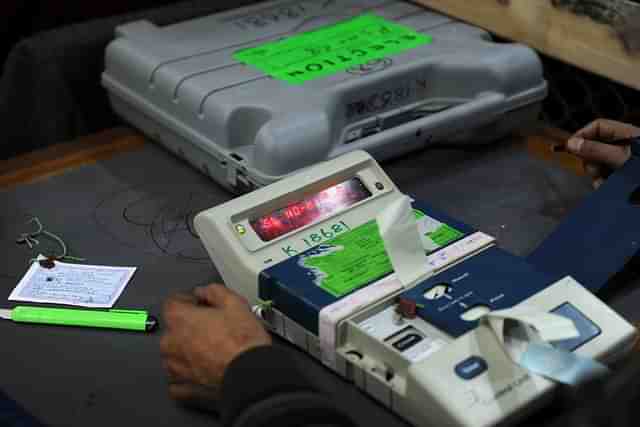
50 89
135 209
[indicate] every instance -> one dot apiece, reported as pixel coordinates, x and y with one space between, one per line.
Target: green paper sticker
349 261
444 235
331 49
358 257
433 233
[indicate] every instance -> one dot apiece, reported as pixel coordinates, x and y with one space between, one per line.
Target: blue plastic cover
598 238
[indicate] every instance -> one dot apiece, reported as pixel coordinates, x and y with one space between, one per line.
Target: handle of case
480 111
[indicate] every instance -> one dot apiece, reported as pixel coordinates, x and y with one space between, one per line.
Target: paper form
73 284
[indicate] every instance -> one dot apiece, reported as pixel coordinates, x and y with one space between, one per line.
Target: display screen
311 209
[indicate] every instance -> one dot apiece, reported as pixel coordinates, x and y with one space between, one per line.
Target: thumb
609 155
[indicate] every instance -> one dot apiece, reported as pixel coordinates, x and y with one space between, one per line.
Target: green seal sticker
444 235
433 233
357 258
331 49
350 261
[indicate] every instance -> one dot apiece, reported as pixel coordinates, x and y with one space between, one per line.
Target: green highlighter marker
135 320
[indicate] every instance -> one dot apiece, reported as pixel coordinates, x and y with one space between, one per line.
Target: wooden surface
541 145
58 158
61 157
573 39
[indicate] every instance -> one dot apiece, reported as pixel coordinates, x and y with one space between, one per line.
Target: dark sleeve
264 387
12 415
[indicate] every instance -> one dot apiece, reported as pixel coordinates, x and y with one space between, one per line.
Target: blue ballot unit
480 338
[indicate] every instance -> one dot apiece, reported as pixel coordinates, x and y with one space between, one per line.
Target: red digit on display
290 212
314 208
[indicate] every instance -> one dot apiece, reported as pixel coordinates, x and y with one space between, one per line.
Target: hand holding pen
604 145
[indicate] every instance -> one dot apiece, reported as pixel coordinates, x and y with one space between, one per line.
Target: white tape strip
399 231
561 366
458 250
549 327
331 315
527 344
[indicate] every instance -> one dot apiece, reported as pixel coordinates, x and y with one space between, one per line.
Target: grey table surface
134 209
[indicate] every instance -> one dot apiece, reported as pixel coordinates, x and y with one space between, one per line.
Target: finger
606 130
181 392
169 346
197 396
609 155
594 170
178 372
215 295
597 183
187 297
596 130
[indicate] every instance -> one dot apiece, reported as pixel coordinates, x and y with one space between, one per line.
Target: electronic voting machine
252 95
420 311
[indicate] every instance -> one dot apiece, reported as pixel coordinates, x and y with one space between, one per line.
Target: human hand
205 331
601 159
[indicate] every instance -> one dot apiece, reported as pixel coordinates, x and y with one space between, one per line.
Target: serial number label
332 49
317 237
379 101
349 261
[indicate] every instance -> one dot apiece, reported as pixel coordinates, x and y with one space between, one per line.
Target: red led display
309 210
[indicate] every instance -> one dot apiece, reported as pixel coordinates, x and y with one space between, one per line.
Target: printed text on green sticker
331 49
358 257
444 235
355 259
